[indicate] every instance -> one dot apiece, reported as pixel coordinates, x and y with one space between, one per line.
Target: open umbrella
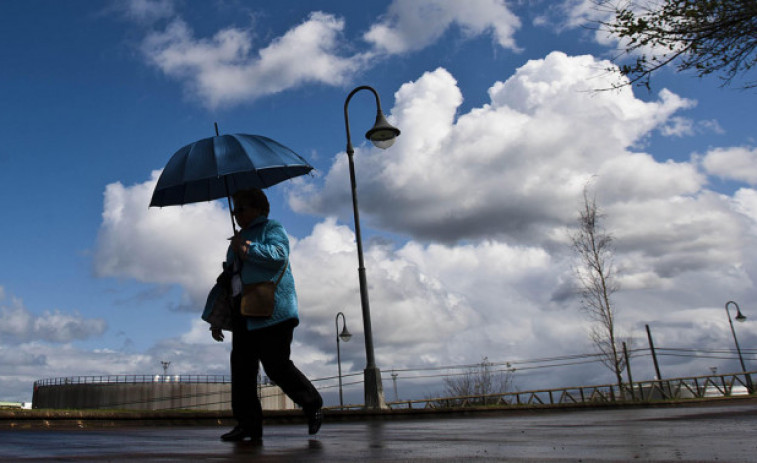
217 167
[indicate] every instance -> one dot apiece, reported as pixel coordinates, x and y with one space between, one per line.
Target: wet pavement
702 433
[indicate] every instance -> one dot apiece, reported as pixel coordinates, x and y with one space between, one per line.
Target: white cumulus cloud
182 245
231 68
411 25
226 69
19 325
514 167
733 163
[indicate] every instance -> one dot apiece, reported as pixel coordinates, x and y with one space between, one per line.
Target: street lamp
344 336
165 365
739 318
382 135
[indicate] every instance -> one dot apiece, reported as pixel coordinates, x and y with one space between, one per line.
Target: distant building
148 392
14 405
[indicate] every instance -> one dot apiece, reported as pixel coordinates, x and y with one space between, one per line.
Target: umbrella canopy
216 167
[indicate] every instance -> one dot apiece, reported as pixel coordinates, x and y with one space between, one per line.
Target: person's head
249 204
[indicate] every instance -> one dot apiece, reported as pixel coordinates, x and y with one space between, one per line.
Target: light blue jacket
267 255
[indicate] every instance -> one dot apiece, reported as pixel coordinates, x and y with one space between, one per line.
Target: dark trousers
271 347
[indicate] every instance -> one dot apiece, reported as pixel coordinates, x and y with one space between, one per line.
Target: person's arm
272 252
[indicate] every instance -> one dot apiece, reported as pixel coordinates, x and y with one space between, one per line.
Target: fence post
656 365
628 367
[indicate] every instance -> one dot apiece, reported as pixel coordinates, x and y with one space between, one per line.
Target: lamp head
382 134
345 335
740 317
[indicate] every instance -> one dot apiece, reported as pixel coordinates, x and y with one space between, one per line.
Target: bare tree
478 382
596 277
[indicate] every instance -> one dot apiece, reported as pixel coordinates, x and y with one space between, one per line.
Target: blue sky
466 218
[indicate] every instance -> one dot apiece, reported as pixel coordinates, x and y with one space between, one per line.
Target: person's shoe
239 434
315 420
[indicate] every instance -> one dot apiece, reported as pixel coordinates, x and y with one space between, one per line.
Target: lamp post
740 318
382 135
344 336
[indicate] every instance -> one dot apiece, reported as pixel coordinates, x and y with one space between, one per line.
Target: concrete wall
150 396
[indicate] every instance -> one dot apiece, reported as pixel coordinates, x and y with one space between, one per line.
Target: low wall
75 393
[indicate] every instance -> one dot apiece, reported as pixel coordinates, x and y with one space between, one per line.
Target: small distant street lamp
344 336
165 367
382 135
739 318
394 380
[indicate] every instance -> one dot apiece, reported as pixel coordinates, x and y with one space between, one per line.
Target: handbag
259 299
218 308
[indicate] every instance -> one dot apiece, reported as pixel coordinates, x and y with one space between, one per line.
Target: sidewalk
709 432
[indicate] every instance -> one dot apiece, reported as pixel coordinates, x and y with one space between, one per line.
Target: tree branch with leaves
716 37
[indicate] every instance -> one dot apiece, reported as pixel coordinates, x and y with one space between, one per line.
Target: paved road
704 433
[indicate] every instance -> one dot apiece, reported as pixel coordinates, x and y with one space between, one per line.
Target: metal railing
108 379
695 387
